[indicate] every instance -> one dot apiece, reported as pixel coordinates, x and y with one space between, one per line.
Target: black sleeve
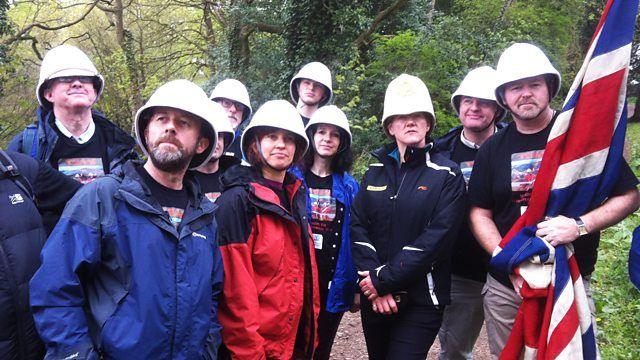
363 252
53 189
627 180
480 189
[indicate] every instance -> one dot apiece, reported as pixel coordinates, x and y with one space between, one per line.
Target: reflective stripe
411 248
365 244
438 167
376 164
378 269
432 293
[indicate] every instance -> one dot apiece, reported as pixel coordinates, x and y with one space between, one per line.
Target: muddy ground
350 345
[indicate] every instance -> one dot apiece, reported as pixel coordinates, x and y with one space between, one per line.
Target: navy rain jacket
404 221
120 281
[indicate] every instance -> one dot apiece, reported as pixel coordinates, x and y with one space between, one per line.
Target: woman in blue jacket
330 191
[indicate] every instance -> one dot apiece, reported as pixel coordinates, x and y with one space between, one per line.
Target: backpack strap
8 169
30 141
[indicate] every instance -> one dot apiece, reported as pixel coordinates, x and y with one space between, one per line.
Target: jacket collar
413 156
136 193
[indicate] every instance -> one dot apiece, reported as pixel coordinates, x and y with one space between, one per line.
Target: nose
279 143
76 83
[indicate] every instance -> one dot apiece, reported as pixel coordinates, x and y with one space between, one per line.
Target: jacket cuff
375 280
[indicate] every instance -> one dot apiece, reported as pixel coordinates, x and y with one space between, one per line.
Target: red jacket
271 281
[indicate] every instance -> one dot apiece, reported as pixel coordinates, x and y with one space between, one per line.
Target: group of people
242 235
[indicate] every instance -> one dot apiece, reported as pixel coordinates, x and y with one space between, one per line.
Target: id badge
317 241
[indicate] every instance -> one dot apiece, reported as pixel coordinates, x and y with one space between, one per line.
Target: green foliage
617 301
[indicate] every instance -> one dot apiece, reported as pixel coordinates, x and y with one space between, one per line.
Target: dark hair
341 161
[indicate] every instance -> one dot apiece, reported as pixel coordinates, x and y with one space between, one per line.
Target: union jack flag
580 166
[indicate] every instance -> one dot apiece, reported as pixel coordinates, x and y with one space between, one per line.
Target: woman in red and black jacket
270 303
403 223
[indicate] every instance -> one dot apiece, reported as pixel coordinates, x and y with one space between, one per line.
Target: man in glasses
234 98
68 133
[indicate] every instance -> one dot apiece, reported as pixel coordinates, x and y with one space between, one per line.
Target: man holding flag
501 189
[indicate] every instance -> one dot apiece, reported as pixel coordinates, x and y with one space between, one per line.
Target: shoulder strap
9 170
30 141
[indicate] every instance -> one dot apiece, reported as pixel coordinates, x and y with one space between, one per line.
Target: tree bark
363 39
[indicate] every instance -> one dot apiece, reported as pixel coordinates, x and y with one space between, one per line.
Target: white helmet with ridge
277 114
407 94
233 90
331 115
521 61
189 97
478 83
317 72
66 60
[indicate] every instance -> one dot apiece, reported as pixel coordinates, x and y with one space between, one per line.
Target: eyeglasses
226 103
72 79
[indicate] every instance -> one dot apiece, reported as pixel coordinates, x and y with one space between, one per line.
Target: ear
48 94
203 144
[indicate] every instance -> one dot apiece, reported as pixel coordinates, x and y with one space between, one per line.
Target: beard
168 161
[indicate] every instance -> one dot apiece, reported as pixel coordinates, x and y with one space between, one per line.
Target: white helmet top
331 115
233 90
478 83
278 114
315 71
521 61
406 94
66 60
189 97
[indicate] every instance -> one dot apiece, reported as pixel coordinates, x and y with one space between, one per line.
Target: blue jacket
344 282
118 280
120 146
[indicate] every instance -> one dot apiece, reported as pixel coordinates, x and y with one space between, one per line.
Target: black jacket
446 143
21 238
403 223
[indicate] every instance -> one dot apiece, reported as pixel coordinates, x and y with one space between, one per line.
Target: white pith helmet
233 90
66 60
189 97
278 114
478 83
521 61
317 72
331 115
407 94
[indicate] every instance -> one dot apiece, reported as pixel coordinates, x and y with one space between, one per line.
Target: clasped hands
384 304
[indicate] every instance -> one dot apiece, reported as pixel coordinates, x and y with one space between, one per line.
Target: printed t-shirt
209 184
82 162
173 202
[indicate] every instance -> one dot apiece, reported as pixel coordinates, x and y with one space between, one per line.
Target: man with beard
310 89
234 98
208 175
503 176
133 270
475 103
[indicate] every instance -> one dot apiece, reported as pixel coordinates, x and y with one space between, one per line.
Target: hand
558 230
385 305
355 307
367 286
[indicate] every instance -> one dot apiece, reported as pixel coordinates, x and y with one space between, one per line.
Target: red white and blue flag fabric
580 166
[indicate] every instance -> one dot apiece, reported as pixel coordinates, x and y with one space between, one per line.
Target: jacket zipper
175 311
393 211
4 261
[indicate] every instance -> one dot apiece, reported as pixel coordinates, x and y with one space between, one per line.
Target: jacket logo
376 188
198 235
423 188
16 199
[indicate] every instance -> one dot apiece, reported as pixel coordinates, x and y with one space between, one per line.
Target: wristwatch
582 228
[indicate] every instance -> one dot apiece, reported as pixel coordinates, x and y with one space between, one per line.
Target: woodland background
139 44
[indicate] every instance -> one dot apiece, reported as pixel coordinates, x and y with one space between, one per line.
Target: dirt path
350 345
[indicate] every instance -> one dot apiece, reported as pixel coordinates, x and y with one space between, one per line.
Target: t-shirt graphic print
175 215
83 170
524 169
466 167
